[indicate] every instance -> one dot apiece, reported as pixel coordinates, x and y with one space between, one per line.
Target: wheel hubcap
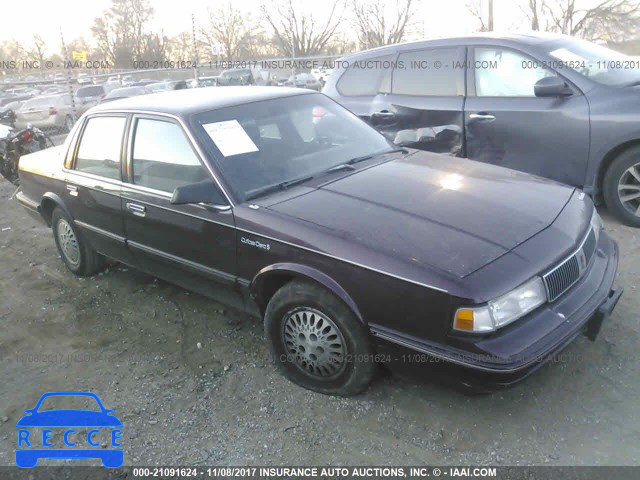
68 242
314 342
629 189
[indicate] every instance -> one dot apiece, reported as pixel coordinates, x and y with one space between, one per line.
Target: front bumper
519 349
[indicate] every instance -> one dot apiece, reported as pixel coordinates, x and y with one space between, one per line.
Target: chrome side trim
26 201
100 231
356 264
399 341
174 258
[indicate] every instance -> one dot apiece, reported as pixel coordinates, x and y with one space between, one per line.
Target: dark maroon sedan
282 203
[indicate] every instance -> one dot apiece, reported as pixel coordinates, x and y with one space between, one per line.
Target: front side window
502 72
162 156
429 72
363 77
100 146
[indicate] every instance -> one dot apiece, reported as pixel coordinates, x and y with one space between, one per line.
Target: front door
507 125
193 245
423 105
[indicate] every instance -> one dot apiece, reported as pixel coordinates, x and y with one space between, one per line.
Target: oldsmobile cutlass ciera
283 203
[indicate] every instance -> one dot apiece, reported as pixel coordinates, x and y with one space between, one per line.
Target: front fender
304 272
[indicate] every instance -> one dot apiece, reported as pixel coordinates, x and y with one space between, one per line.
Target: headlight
503 310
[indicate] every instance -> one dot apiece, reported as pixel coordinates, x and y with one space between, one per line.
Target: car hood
429 210
69 418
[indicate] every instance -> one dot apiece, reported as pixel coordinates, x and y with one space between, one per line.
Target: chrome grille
565 275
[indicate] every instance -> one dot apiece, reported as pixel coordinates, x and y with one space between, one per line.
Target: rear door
93 184
422 106
191 245
507 125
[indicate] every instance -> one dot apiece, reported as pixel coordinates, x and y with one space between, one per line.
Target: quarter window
163 158
100 145
430 72
501 72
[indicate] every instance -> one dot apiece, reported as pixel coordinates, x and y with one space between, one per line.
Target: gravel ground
192 382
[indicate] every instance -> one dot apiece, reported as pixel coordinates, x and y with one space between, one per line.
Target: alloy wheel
314 343
629 189
68 242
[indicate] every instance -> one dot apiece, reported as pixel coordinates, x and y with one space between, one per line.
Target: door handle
482 116
383 115
138 210
73 190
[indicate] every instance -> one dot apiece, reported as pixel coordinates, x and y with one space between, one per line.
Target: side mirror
201 192
552 87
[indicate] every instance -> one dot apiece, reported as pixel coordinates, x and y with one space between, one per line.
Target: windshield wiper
348 165
258 192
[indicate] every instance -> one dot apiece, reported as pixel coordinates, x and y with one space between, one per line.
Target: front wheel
621 187
316 340
76 253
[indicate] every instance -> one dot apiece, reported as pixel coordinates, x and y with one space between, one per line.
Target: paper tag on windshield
230 138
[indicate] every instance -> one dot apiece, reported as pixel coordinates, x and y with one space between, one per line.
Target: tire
316 340
68 124
76 253
624 170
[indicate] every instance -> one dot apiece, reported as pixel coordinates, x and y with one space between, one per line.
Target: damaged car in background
547 104
354 252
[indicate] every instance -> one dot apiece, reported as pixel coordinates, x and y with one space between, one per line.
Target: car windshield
268 143
598 63
67 402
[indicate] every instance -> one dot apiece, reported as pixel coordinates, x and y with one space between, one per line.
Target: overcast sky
22 20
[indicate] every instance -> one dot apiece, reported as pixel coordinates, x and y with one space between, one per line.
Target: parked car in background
143 82
159 87
243 76
60 78
83 79
113 82
90 95
321 74
303 80
124 92
46 113
352 250
127 80
54 90
547 104
211 81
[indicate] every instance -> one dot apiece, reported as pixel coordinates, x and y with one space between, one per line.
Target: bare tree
120 32
230 28
38 50
297 32
475 9
607 18
378 22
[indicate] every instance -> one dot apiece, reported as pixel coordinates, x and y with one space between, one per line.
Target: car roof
529 38
187 101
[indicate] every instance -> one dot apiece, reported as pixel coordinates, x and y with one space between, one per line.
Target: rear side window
100 145
363 77
163 158
428 72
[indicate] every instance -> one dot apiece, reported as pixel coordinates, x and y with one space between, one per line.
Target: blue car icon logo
66 442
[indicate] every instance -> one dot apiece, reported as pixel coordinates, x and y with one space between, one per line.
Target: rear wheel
621 187
316 340
76 253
